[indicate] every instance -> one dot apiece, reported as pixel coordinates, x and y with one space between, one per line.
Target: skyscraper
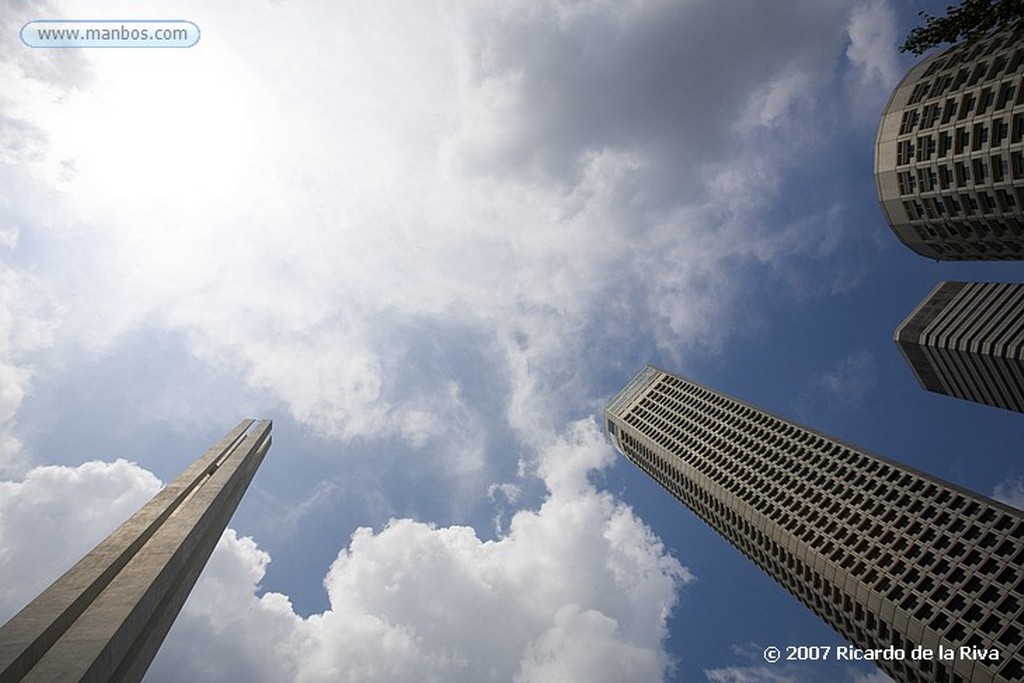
888 556
949 156
105 618
966 339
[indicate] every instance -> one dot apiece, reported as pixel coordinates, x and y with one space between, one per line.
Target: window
980 136
998 64
980 170
1017 134
904 152
963 139
920 92
992 45
945 177
979 72
908 182
1000 131
966 105
909 121
963 174
998 168
976 51
1006 92
961 77
1017 61
926 178
945 143
949 111
925 147
933 67
986 100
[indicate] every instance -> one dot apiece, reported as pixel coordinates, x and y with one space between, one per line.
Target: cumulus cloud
55 515
578 589
565 652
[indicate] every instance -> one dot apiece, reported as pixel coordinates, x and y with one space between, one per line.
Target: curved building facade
949 156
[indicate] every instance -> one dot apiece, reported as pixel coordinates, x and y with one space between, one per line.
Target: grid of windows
948 158
966 339
883 553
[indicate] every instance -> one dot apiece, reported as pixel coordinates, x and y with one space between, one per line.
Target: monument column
105 618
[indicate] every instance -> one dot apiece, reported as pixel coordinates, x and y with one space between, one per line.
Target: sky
430 241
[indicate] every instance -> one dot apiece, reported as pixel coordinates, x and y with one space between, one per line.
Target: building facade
888 556
107 616
966 339
949 156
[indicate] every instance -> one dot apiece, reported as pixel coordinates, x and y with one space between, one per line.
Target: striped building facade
966 339
949 156
887 555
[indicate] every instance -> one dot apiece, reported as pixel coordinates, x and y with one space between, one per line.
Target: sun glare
155 128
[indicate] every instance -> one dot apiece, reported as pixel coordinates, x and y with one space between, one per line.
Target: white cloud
873 677
565 652
578 589
848 384
873 56
8 238
226 632
27 321
529 183
55 515
872 49
55 71
1011 492
772 104
296 214
789 673
439 603
750 674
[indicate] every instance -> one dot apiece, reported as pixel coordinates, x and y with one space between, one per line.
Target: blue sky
430 240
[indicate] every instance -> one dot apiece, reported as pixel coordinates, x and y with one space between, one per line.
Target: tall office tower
885 554
966 339
949 156
105 618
